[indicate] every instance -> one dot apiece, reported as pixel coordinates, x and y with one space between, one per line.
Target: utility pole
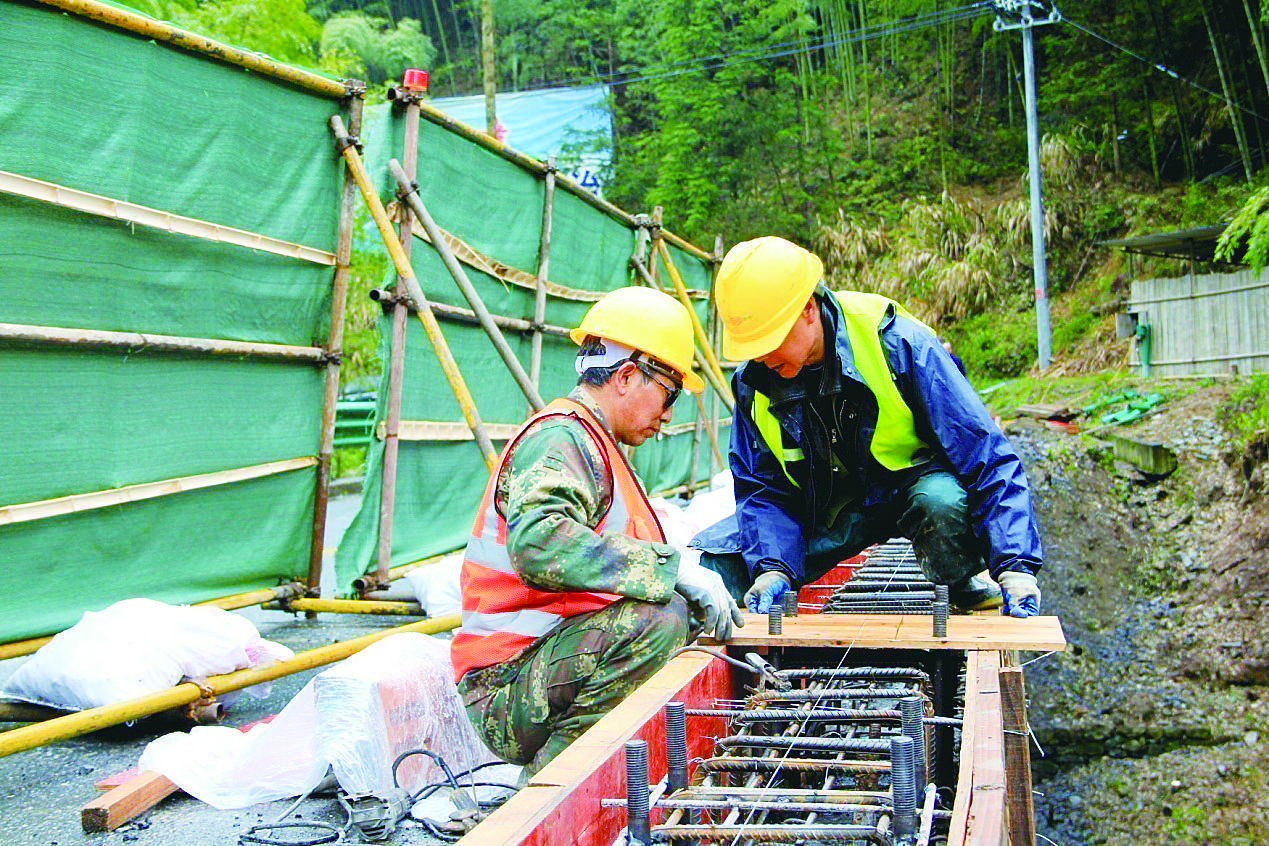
1017 14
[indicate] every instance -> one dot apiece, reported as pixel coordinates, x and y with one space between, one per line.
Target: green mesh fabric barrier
496 207
101 110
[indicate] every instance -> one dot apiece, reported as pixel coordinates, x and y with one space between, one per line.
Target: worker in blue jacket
853 425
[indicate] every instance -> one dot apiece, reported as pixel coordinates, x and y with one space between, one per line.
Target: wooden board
906 631
978 815
115 807
561 805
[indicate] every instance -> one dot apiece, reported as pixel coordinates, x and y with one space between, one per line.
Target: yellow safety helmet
760 290
646 320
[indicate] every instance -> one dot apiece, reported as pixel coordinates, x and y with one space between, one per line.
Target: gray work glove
767 590
1022 594
704 590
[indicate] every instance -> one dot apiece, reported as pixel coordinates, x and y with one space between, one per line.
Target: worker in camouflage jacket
853 425
571 596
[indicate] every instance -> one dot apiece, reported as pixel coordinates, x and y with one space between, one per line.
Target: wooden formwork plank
121 804
978 816
912 631
561 805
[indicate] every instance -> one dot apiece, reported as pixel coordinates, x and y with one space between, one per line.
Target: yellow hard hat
760 290
646 320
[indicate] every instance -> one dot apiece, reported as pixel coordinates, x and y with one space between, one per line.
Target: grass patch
1246 416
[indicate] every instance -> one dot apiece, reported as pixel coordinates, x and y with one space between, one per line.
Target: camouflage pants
531 707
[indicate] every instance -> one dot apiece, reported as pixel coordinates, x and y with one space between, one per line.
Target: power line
1163 69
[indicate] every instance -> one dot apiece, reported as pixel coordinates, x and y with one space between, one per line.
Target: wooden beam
978 816
95 204
1013 709
75 503
145 342
125 802
911 631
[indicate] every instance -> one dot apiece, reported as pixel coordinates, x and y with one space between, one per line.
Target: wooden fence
1208 324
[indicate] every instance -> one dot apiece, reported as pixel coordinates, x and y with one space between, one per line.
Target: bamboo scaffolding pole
709 429
18 648
107 207
426 317
176 37
144 342
396 367
715 323
410 193
83 722
717 369
706 371
544 268
442 430
464 315
534 166
334 350
351 606
43 509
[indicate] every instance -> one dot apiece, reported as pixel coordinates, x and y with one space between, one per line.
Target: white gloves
1022 593
704 589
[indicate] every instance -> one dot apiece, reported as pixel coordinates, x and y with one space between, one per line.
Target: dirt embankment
1155 725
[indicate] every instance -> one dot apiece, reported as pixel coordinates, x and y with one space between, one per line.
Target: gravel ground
42 790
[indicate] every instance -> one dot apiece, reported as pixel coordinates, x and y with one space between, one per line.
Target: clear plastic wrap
355 718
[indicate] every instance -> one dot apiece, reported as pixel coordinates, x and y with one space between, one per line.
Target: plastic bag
136 647
436 585
355 718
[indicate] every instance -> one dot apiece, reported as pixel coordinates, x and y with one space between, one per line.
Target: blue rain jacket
777 519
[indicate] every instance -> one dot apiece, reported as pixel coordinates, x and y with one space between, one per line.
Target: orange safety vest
501 615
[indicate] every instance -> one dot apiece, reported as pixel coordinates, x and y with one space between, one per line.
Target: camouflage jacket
554 489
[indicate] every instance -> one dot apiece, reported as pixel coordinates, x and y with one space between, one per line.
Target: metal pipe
83 722
185 40
354 606
428 319
544 275
410 193
675 745
638 818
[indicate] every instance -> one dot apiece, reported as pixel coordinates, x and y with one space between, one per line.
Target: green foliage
1246 415
384 51
348 461
995 346
281 29
1250 225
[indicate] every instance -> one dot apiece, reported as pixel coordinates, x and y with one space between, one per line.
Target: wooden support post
544 275
452 374
1013 716
396 365
334 346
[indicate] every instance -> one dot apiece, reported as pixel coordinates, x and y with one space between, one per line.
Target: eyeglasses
671 393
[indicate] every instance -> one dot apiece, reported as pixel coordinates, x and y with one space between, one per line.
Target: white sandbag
707 507
356 717
136 647
436 587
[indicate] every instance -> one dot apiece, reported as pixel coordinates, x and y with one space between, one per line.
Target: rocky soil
1155 725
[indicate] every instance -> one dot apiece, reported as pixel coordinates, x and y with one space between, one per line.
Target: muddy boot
974 593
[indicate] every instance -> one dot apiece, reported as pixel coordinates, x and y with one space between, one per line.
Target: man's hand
767 590
704 589
1022 594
